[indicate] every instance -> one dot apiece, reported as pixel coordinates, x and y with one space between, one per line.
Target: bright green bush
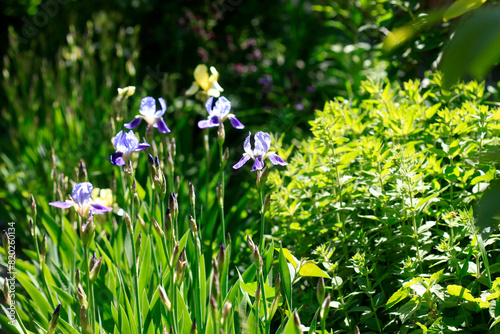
383 194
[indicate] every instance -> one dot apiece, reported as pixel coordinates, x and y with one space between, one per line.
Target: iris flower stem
86 266
264 300
135 269
222 185
207 158
262 219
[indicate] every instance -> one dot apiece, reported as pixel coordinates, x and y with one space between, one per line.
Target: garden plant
302 167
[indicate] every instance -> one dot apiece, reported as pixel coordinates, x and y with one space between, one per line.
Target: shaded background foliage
278 61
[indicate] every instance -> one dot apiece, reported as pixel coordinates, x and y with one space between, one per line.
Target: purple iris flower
149 113
125 144
218 113
259 153
81 201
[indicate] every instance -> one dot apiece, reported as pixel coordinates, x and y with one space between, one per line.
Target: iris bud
164 298
53 320
82 297
157 228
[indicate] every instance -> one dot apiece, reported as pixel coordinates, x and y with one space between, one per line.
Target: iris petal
133 124
148 106
258 164
162 127
117 159
142 146
99 209
242 161
62 205
235 122
276 159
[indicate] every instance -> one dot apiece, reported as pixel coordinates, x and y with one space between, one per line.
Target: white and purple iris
259 153
218 113
149 113
82 202
125 144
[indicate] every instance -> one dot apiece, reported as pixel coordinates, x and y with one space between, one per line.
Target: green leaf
251 287
397 297
461 7
288 256
474 48
37 297
285 278
310 269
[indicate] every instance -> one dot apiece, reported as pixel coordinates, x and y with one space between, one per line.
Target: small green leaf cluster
383 195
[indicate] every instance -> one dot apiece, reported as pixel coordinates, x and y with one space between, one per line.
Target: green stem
222 185
262 219
135 269
264 299
86 266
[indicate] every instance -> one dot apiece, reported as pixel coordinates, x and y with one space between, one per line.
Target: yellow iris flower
208 83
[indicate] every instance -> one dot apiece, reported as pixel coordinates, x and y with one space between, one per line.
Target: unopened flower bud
215 285
221 257
258 259
180 269
82 297
164 298
325 307
192 225
170 163
157 162
257 295
93 260
84 321
5 242
43 251
53 173
53 320
158 180
6 293
157 228
213 303
173 147
82 172
94 272
192 195
221 134
175 254
220 194
250 243
87 231
77 276
173 206
52 158
128 221
163 189
141 221
33 207
32 227
226 311
296 322
137 200
262 176
267 203
277 284
134 187
320 290
225 157
151 166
